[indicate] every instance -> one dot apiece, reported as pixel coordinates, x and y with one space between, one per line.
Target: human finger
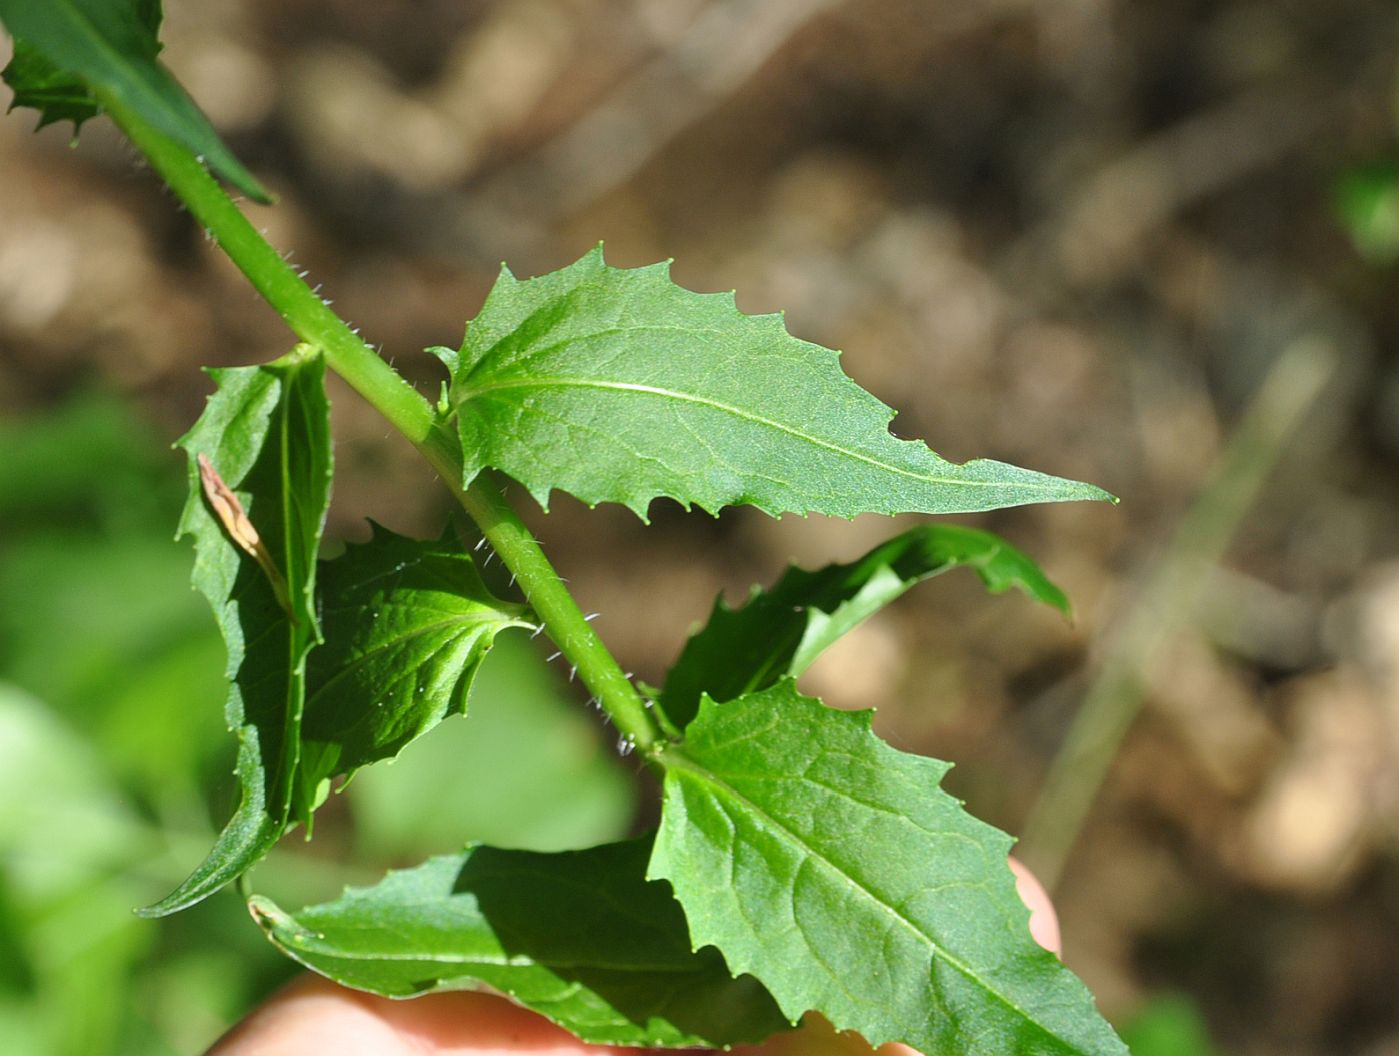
1044 922
314 1017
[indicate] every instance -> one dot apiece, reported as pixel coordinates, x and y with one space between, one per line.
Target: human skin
314 1017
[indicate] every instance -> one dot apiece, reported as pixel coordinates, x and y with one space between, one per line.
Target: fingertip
1044 922
307 1017
315 1017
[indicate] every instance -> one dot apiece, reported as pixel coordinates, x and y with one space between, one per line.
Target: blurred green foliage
1169 1025
532 750
1366 199
115 767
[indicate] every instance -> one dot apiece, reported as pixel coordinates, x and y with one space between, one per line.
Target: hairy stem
567 625
312 320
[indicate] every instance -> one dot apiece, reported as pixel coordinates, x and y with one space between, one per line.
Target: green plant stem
546 592
1165 605
312 320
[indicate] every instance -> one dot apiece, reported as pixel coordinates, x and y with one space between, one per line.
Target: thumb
314 1017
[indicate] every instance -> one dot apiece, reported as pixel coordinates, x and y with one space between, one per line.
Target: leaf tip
448 357
1094 493
181 898
256 192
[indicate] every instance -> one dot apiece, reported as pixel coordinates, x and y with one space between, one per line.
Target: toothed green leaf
66 48
618 386
834 870
406 626
266 432
580 937
780 631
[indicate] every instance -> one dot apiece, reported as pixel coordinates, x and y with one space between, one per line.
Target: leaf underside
834 870
778 632
267 433
41 86
616 385
66 48
406 626
580 937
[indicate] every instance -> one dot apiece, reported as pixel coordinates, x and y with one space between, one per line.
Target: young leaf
834 870
580 937
66 48
266 433
406 626
780 631
619 386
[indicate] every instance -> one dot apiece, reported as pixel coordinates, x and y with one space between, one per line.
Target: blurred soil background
1151 245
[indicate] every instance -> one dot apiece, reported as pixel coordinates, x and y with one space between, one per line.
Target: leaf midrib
538 382
300 637
396 643
675 756
89 30
320 945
